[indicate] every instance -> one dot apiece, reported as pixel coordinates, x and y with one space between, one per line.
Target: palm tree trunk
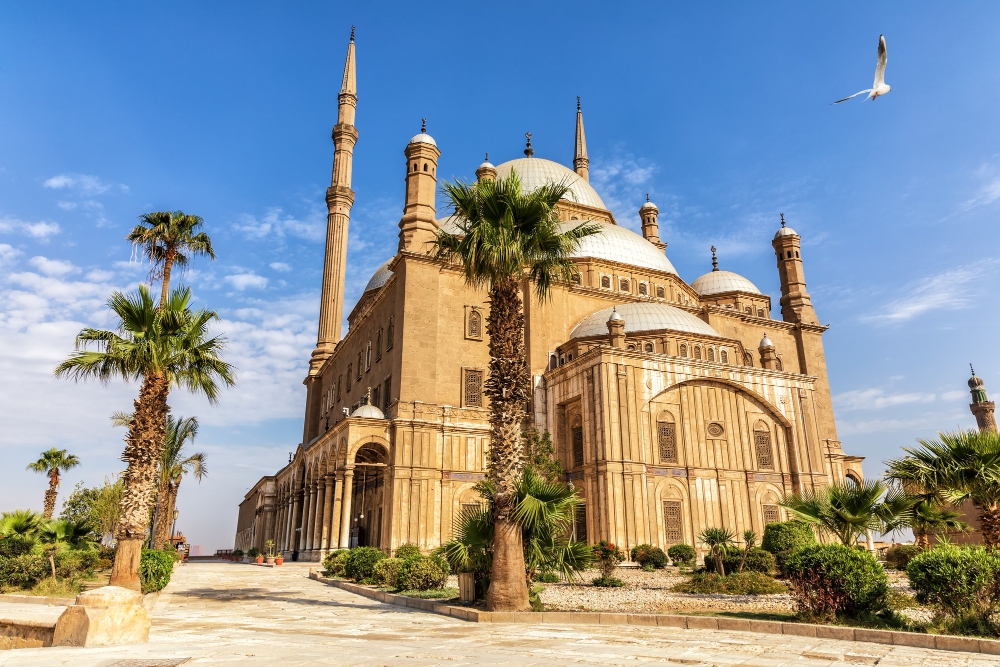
507 389
144 445
52 493
720 565
168 264
169 497
990 519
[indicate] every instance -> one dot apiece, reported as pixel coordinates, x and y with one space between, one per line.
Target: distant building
673 406
983 410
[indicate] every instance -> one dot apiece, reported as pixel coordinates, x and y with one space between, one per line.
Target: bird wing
867 90
882 58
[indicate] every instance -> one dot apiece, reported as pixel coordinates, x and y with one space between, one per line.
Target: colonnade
317 516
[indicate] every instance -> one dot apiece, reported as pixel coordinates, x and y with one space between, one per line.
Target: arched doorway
368 496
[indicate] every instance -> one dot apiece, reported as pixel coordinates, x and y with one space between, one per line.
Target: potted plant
269 545
255 555
237 555
278 558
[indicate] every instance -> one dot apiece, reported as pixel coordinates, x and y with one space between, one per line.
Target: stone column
310 517
327 511
320 508
335 515
293 536
345 521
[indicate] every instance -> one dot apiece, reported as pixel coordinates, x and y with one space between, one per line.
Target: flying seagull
880 87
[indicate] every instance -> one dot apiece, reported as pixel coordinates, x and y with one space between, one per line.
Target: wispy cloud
243 281
280 266
877 399
52 267
275 222
41 230
83 184
623 180
949 290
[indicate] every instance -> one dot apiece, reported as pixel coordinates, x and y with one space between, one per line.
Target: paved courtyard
225 613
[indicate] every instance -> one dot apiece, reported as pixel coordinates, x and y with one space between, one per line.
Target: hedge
833 580
155 567
758 560
648 555
421 574
407 551
958 581
785 538
360 563
899 555
24 571
682 554
14 545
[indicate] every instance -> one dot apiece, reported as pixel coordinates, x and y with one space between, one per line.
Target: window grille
389 333
673 522
683 350
762 444
358 375
577 436
624 285
475 324
339 380
711 354
760 312
771 514
474 389
580 523
378 345
606 282
697 352
648 347
666 436
387 394
643 290
749 310
724 356
368 357
660 292
350 371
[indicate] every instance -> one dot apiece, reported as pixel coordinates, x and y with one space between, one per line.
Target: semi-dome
535 172
718 282
380 277
618 244
369 411
643 317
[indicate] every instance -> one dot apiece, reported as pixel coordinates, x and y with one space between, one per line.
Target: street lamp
173 529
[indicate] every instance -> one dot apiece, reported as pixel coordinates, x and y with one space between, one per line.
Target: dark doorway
369 496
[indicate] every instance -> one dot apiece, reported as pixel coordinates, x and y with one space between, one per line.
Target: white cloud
877 399
275 222
84 184
40 230
242 281
8 254
66 205
280 266
623 181
52 267
100 276
944 291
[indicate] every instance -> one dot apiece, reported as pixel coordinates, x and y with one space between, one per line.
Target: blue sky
720 112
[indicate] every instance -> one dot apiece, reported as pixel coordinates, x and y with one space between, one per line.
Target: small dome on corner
766 342
368 411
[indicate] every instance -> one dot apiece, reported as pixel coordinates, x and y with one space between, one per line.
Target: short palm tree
160 348
21 523
717 540
169 239
930 516
749 542
506 236
50 463
174 464
957 466
852 509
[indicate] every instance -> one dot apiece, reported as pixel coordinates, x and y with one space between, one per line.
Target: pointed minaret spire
348 98
581 165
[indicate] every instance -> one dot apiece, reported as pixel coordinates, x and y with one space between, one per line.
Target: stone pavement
219 613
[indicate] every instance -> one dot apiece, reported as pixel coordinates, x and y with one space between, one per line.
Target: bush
960 582
738 583
899 555
682 554
386 572
608 582
420 574
155 567
548 578
407 551
785 538
360 564
14 545
758 560
333 563
237 553
253 553
647 554
23 571
833 580
74 564
608 556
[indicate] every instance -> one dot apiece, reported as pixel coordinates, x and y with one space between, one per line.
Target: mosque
673 406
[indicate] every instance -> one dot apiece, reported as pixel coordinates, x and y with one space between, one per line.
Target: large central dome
620 245
535 172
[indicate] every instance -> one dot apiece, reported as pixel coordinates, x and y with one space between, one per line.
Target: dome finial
528 151
972 370
487 159
647 196
352 33
577 102
715 262
423 126
782 219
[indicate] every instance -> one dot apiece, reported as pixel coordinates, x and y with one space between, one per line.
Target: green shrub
832 580
899 555
738 583
72 564
647 554
958 581
386 572
758 560
155 567
407 551
608 582
253 553
682 554
333 563
785 538
360 564
608 556
420 574
548 578
237 553
23 571
15 545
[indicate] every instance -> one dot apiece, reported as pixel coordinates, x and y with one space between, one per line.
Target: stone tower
418 226
981 406
581 164
649 213
796 306
486 171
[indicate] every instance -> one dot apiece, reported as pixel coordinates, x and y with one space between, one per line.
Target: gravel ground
646 592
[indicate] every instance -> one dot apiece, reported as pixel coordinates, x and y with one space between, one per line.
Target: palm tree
160 348
506 236
958 466
853 509
50 463
929 516
749 542
21 523
168 239
717 540
173 466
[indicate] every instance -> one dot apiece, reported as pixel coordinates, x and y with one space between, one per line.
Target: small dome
976 382
485 165
423 138
648 206
368 411
719 282
765 342
380 277
618 244
535 172
785 231
643 317
615 316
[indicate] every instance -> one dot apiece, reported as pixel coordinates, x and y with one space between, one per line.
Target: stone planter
245 559
270 560
466 587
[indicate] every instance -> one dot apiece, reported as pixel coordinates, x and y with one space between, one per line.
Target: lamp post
173 528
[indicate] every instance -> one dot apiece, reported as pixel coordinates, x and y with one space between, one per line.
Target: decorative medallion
715 430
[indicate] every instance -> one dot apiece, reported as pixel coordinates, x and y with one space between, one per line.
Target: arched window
368 357
796 254
390 330
643 290
762 446
789 254
624 285
415 166
576 436
682 350
761 313
724 356
350 374
666 438
747 359
648 347
660 292
606 282
425 166
358 376
673 522
378 345
771 514
631 346
711 354
697 351
475 324
473 388
576 278
749 310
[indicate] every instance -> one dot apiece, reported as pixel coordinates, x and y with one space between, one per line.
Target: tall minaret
418 226
796 306
648 213
981 406
581 165
339 199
